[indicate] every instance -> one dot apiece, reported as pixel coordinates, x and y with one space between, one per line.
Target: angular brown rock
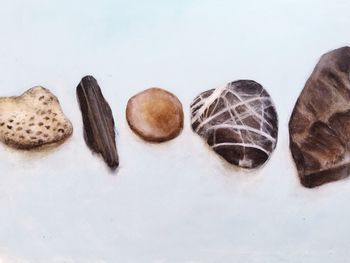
238 121
98 121
156 115
33 119
319 127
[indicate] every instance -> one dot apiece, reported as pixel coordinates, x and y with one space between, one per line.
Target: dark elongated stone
238 121
98 121
319 128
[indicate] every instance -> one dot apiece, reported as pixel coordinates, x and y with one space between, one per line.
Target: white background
177 201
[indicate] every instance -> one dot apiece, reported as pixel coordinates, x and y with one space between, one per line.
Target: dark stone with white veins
238 121
319 128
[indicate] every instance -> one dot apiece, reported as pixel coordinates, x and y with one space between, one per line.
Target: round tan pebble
156 115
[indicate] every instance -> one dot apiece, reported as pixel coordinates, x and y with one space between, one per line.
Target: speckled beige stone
33 119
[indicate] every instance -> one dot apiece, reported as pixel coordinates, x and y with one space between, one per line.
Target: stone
155 115
98 121
33 119
319 127
238 121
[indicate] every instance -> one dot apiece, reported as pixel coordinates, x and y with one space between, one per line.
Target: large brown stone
319 127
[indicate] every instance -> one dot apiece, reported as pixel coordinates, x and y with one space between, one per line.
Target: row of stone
237 120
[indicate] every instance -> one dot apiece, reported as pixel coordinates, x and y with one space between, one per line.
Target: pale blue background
176 202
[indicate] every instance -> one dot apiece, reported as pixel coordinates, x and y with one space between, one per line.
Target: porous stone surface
238 121
33 119
319 127
156 115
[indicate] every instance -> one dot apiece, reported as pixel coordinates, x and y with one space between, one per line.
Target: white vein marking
208 101
241 144
253 111
244 127
230 108
235 122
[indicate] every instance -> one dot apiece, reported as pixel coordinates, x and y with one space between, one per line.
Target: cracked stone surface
319 127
